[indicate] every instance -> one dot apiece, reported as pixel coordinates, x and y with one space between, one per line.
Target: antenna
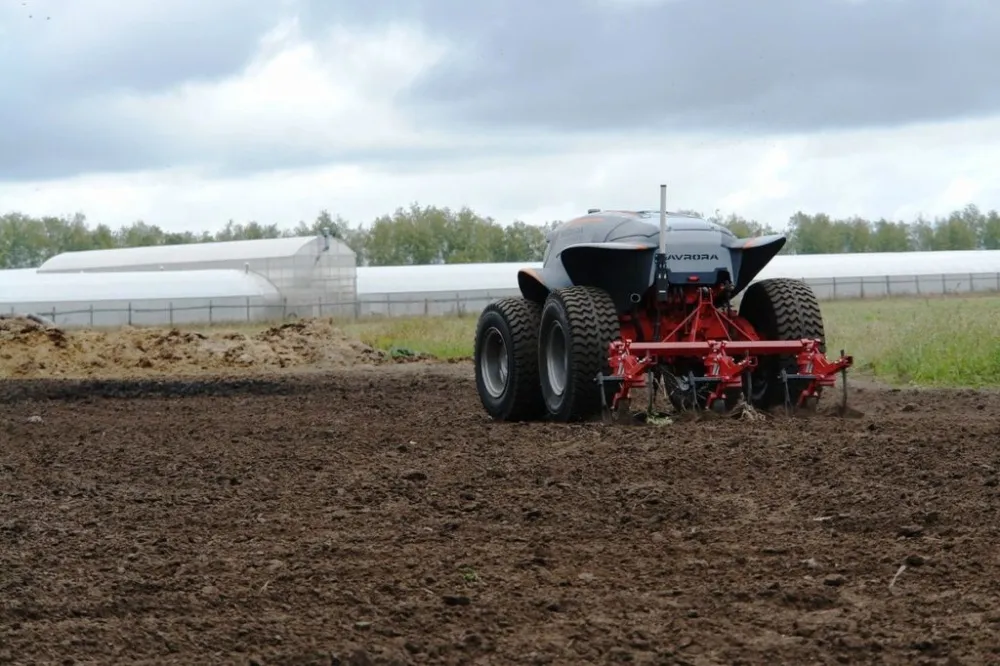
663 219
661 276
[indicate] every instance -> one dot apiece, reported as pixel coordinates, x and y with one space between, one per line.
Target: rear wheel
577 326
780 309
505 359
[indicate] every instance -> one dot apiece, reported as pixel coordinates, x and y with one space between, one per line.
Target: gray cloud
722 65
53 69
736 66
88 47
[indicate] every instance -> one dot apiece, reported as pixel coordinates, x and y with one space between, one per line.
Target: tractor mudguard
751 255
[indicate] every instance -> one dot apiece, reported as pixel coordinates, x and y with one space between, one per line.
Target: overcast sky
188 113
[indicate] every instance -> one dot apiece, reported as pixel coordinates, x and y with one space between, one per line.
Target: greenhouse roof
880 264
503 276
247 250
128 286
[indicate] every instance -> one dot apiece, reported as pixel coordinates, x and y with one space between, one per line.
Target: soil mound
30 347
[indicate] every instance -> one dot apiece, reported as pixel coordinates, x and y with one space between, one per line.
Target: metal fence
460 302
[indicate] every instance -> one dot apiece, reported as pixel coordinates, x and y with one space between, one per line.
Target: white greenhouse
141 298
875 274
315 274
458 288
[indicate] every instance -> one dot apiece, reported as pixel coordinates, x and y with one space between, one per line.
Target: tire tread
522 317
790 311
594 324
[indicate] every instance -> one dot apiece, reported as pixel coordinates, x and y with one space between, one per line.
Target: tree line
429 234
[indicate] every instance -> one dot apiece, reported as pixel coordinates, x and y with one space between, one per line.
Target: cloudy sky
188 113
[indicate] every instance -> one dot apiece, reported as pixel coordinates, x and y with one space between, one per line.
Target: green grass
942 341
442 337
936 341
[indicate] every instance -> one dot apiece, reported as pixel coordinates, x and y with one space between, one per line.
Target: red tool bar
731 347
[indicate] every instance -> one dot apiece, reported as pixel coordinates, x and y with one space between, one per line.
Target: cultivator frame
728 363
721 369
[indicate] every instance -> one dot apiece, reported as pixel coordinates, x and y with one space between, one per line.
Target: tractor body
645 299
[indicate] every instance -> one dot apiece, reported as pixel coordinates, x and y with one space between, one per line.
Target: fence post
888 288
248 309
53 314
170 311
944 285
130 313
835 288
210 312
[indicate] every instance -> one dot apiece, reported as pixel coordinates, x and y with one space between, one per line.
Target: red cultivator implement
620 304
725 349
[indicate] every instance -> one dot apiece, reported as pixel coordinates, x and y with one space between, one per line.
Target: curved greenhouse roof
879 264
503 276
249 250
139 286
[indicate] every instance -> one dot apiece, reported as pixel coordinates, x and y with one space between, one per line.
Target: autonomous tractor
623 303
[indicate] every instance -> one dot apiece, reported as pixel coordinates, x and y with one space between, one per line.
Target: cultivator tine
694 390
605 407
609 413
651 382
843 387
788 395
748 387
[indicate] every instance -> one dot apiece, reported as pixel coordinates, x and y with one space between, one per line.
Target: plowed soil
377 517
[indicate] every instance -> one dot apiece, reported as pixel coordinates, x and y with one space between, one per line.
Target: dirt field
375 516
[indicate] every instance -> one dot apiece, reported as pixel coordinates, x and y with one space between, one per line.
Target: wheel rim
494 363
556 358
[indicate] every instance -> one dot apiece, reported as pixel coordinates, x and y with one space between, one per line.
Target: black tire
507 331
780 309
586 321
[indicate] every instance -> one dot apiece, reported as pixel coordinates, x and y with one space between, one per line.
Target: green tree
989 238
890 236
429 234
